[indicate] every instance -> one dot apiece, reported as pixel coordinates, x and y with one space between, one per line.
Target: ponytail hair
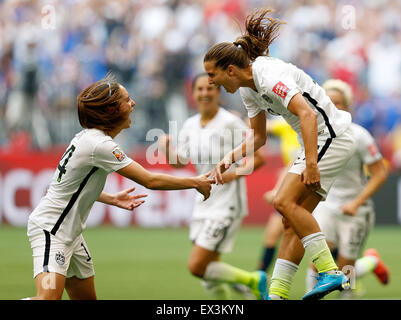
260 32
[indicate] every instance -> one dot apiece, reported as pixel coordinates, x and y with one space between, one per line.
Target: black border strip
47 251
72 201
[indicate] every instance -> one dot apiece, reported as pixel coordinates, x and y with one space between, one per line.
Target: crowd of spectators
50 50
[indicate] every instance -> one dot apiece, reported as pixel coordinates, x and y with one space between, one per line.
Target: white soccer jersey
77 183
351 181
277 82
205 147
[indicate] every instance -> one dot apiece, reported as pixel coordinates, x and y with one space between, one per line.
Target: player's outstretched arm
252 164
123 199
251 144
378 175
160 181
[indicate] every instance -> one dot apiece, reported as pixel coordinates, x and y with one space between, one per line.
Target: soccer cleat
326 283
245 291
381 271
259 286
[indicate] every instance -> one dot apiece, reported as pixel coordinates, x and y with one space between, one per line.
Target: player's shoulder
192 121
360 132
91 134
262 63
229 117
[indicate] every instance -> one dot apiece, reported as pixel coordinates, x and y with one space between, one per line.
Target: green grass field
150 264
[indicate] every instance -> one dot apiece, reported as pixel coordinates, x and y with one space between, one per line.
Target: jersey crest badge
119 154
281 89
60 258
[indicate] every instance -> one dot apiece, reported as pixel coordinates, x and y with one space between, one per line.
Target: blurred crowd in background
51 50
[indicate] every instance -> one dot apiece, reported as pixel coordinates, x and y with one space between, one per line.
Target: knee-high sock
220 271
317 250
283 275
365 265
217 290
310 279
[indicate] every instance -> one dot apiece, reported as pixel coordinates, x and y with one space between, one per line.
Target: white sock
312 242
310 279
365 265
318 252
217 290
282 277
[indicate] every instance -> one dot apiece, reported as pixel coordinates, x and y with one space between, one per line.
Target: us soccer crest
119 154
60 259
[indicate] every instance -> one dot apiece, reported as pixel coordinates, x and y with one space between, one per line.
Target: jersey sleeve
109 156
250 104
277 81
367 147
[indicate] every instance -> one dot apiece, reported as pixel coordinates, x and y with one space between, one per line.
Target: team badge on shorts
119 154
60 259
281 89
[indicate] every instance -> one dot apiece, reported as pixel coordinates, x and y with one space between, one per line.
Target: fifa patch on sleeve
281 89
119 154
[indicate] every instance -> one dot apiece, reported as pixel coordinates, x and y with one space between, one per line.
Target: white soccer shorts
52 255
216 235
333 155
347 233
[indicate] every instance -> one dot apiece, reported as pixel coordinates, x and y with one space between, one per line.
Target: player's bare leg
206 264
81 289
49 286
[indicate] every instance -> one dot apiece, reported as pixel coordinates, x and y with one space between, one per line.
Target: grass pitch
151 264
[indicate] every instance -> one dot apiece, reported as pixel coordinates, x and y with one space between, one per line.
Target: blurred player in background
280 88
347 215
60 255
289 147
215 223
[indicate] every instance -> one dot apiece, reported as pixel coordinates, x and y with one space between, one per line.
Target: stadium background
51 50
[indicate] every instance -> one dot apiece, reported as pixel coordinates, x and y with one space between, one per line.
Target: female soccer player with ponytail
280 88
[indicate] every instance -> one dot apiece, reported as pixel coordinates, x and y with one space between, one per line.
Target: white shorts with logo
333 156
347 233
216 235
52 255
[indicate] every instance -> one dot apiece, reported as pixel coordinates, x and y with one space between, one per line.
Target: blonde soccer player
214 225
271 85
347 215
61 258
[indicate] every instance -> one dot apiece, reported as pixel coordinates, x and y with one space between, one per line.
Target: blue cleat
326 283
259 287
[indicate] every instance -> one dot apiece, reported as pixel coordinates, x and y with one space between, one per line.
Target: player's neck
207 116
246 78
113 133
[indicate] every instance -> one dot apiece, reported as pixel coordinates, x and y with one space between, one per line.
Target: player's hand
311 177
125 200
204 185
350 208
222 166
